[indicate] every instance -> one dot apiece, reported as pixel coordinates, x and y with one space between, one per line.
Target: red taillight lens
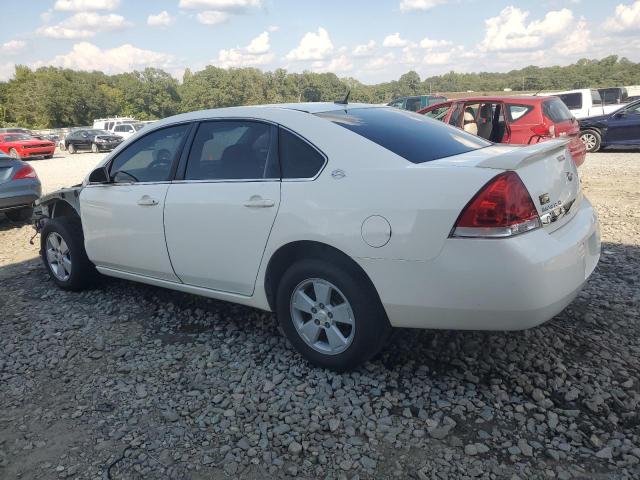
544 130
25 172
502 208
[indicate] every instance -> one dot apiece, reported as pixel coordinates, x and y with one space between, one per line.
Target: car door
219 215
623 127
123 219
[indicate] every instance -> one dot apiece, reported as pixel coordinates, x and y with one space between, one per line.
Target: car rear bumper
19 193
491 284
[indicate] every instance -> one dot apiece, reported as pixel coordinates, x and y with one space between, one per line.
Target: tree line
51 97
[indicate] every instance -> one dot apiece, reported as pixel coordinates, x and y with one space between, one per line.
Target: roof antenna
345 101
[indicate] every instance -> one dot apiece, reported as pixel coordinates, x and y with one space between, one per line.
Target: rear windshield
556 111
412 136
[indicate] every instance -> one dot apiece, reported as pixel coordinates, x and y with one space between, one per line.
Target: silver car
19 188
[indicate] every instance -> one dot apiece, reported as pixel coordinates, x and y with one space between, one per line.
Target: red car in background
514 120
23 146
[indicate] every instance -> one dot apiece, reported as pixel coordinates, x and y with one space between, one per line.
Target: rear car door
123 220
219 215
624 126
520 121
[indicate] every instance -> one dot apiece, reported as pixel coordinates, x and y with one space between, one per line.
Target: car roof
511 98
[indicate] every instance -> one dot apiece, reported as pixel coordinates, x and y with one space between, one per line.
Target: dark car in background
620 128
91 139
19 188
416 102
23 131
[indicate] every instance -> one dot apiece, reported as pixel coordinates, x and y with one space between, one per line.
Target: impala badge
561 158
544 198
569 176
338 174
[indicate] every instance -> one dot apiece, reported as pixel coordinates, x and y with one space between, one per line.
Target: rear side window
414 104
516 112
556 111
414 137
573 101
298 159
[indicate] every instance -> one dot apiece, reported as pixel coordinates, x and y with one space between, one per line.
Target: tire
14 153
370 326
71 148
82 273
94 148
48 156
20 214
591 139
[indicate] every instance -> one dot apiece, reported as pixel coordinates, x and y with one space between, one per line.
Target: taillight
25 172
502 208
544 130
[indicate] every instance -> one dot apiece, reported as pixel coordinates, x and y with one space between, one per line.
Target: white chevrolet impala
343 219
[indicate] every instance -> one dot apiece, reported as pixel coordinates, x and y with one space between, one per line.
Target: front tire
19 215
331 315
63 254
14 153
71 148
591 139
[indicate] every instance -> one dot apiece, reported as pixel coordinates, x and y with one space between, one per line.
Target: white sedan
343 219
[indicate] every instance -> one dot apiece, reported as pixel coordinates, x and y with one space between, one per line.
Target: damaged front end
63 202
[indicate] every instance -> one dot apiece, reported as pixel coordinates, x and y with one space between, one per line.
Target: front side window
632 109
151 157
233 150
438 113
596 99
414 137
298 159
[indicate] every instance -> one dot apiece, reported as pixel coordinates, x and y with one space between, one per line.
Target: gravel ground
131 381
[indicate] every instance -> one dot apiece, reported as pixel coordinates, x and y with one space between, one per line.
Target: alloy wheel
589 140
322 316
58 256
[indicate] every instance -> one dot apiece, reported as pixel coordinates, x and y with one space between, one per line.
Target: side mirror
99 175
620 114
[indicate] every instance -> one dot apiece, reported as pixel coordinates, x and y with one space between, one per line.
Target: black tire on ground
71 148
20 214
94 148
48 156
591 139
83 273
13 153
371 324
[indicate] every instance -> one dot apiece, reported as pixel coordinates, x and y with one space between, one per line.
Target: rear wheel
330 315
20 214
13 153
63 254
94 148
591 140
71 148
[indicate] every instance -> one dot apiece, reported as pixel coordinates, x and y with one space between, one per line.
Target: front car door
218 217
123 220
623 127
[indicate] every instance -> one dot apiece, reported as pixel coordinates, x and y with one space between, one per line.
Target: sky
373 41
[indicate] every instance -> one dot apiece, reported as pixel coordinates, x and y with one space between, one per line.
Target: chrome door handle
147 201
258 202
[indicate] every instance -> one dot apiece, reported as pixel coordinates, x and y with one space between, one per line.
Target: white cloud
364 50
212 17
394 41
577 41
84 25
313 46
220 5
510 30
125 58
6 71
162 19
420 5
338 64
12 47
381 62
86 5
254 54
625 18
429 43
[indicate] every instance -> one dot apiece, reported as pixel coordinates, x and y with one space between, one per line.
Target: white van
110 123
585 102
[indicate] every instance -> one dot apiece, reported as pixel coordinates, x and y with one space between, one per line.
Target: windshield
414 137
17 137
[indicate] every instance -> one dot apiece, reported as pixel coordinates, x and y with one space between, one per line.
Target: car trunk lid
550 175
6 169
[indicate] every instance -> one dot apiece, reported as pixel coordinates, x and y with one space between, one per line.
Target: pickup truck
585 102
